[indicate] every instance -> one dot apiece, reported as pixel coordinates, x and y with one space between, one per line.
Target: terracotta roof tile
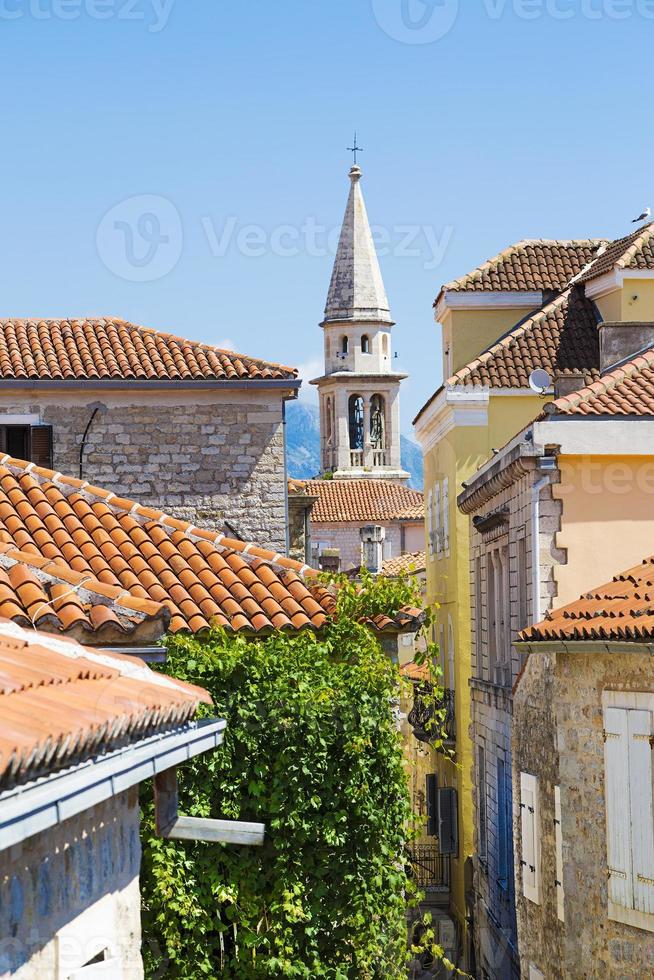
413 562
364 500
623 610
634 251
129 557
108 348
61 703
38 593
561 338
626 390
529 266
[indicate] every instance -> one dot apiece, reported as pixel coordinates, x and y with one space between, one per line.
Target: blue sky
181 163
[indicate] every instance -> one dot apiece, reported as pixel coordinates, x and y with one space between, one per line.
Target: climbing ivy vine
312 750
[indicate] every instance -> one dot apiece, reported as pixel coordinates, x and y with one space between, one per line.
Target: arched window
328 418
377 422
385 345
345 345
355 419
365 344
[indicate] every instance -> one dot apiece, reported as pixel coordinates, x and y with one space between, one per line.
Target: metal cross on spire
355 149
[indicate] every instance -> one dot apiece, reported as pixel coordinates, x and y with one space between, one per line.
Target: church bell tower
359 391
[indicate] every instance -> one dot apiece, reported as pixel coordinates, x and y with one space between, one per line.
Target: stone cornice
505 471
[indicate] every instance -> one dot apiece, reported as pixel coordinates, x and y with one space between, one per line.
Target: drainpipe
536 614
286 517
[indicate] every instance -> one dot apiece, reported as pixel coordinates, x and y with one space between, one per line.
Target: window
355 421
30 442
448 822
430 524
503 826
498 615
437 518
365 344
558 841
478 613
530 837
377 422
629 814
446 515
345 345
481 805
523 583
431 792
451 681
385 345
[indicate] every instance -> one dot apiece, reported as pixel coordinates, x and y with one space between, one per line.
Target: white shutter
530 861
558 838
437 517
642 814
430 524
446 514
616 792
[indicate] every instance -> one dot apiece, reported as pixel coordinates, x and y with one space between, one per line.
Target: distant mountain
303 446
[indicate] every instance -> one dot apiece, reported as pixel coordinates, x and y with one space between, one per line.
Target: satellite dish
540 381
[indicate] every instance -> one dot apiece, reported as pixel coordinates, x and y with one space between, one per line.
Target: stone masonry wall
491 703
347 538
86 867
559 736
206 457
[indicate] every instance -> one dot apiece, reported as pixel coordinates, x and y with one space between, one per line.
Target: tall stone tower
359 391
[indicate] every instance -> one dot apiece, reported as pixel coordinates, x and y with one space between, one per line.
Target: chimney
330 560
372 546
565 384
621 341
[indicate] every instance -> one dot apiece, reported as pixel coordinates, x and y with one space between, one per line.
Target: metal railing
433 719
430 869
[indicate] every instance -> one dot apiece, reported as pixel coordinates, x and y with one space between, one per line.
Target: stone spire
356 291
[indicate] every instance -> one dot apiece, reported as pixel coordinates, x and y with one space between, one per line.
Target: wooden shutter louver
41 445
616 792
448 829
432 804
529 819
558 841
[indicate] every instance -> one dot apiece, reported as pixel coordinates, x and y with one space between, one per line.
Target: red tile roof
634 251
364 500
626 390
59 600
529 266
416 672
622 610
114 548
410 563
109 348
561 338
61 703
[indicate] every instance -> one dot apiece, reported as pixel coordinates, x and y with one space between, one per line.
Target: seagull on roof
642 217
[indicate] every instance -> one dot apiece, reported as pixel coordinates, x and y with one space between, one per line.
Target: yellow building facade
485 400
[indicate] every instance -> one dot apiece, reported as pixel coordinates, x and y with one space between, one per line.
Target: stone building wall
491 702
205 456
346 537
72 892
559 737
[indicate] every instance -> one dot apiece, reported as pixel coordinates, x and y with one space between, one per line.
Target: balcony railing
379 457
430 869
356 457
433 719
